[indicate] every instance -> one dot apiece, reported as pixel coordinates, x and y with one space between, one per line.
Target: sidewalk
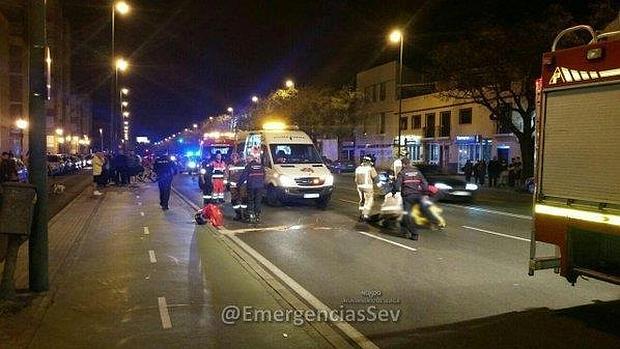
138 277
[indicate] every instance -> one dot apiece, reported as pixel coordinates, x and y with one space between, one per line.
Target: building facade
434 129
68 114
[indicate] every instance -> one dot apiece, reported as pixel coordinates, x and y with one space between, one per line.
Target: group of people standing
245 181
8 168
119 169
499 172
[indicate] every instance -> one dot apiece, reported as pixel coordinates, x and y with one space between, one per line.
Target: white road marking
349 201
344 326
152 257
139 204
388 241
142 214
496 233
146 231
485 210
248 230
166 323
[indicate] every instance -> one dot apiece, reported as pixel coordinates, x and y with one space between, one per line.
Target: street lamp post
21 125
397 37
233 123
101 137
122 8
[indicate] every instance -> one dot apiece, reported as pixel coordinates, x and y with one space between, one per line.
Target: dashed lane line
497 234
146 230
166 323
152 257
486 210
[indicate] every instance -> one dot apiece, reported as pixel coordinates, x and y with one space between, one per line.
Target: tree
497 61
322 112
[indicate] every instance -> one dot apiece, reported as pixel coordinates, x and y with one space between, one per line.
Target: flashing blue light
180 140
189 154
191 164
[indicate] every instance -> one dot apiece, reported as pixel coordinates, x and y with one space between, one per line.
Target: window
465 116
374 93
295 154
429 131
382 123
367 94
444 130
417 122
382 91
403 123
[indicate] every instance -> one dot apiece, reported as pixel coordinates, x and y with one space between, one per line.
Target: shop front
473 148
411 146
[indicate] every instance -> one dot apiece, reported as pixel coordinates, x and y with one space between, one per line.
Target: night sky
193 58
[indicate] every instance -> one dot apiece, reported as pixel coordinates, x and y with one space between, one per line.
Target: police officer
413 186
164 168
205 182
238 191
254 176
365 175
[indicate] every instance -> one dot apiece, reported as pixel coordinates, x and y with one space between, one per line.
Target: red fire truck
577 197
214 142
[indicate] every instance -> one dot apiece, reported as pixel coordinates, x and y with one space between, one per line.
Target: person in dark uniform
254 176
237 190
413 186
205 183
164 168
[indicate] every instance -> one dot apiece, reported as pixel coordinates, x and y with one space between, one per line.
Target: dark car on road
342 166
451 187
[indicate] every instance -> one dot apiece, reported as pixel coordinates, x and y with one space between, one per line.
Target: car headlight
286 181
203 171
442 186
471 186
191 164
329 180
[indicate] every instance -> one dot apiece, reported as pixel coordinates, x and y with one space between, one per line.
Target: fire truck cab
577 196
214 142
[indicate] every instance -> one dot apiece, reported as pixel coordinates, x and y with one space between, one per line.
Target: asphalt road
465 286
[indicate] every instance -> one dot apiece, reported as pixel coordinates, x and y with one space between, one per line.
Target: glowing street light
125 91
396 37
195 125
254 99
289 84
59 131
122 64
122 7
230 109
21 124
126 114
124 103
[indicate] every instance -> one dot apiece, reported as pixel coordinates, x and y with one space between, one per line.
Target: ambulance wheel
273 197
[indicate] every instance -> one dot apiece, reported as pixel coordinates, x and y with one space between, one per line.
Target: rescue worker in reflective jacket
413 186
237 190
205 183
254 176
218 172
164 168
365 175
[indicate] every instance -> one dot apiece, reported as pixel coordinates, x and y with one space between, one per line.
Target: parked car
452 188
342 166
55 165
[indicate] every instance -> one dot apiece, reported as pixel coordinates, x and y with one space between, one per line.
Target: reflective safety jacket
365 176
218 169
234 172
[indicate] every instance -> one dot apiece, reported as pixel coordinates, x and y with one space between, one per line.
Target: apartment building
434 129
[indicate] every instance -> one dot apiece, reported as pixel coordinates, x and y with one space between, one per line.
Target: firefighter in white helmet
365 175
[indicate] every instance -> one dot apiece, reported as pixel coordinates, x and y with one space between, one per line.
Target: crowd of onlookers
118 169
499 172
9 168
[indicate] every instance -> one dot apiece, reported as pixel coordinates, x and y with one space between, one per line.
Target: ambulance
294 168
577 195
